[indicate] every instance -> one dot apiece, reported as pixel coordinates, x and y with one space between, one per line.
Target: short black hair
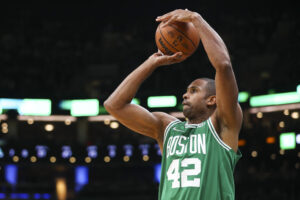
210 86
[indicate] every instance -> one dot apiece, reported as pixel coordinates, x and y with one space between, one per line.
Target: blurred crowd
81 50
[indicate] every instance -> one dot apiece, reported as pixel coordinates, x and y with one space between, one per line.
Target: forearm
126 91
213 44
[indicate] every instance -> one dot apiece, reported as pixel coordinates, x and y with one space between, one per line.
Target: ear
211 100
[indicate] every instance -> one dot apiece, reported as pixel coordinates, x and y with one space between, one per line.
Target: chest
187 141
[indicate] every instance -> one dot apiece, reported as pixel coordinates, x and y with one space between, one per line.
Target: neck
197 120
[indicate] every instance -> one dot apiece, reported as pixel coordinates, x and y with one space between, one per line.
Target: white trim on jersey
216 136
168 128
186 125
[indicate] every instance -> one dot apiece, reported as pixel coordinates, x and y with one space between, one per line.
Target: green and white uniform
196 163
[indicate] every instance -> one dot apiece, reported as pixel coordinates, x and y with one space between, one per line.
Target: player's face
194 103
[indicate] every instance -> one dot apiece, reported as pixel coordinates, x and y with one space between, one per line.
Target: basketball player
199 155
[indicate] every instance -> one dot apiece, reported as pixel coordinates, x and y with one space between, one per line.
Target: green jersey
196 163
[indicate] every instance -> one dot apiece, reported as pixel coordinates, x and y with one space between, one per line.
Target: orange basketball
177 37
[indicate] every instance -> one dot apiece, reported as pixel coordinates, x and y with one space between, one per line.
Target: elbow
108 105
111 106
223 66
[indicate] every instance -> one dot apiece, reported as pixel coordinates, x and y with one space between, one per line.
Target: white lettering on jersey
177 145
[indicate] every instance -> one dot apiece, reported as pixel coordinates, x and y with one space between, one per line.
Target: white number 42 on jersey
183 178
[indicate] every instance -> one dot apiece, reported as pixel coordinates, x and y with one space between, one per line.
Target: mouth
184 103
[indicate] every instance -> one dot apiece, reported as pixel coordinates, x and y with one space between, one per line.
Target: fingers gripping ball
176 37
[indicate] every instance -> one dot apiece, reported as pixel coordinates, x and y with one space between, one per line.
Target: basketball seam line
184 35
169 43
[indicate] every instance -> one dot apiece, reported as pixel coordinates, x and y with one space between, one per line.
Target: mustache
185 103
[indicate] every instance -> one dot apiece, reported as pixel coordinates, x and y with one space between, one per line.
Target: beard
187 112
192 113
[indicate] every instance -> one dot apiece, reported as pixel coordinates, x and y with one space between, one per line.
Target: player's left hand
177 15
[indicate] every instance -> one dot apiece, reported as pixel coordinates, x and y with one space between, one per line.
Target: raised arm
229 113
228 117
133 116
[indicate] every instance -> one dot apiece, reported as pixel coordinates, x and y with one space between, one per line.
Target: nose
185 96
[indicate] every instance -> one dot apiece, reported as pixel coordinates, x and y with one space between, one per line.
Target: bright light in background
65 104
19 196
61 189
275 99
88 159
295 115
49 127
135 101
37 196
158 152
4 128
7 103
259 115
68 122
146 158
24 196
72 159
144 148
39 107
145 151
81 177
254 154
128 149
66 152
92 151
30 121
241 142
11 152
243 97
33 159
298 89
1 153
281 124
161 101
106 121
157 171
16 159
298 138
112 150
4 125
2 196
85 107
270 140
106 159
41 151
11 174
287 141
52 159
114 125
46 196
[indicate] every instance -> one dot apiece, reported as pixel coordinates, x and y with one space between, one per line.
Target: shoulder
165 120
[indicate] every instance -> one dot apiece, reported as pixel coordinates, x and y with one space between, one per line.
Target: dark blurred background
84 50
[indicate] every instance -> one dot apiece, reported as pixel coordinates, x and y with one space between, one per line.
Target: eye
192 90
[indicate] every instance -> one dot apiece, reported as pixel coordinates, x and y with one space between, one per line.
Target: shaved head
210 86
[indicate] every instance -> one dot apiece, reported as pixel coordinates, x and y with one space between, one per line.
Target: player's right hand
159 59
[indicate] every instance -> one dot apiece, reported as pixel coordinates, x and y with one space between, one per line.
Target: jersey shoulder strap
170 125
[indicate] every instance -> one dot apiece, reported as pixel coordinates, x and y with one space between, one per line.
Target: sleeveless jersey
196 163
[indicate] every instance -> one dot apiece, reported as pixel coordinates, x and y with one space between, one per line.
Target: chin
186 113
